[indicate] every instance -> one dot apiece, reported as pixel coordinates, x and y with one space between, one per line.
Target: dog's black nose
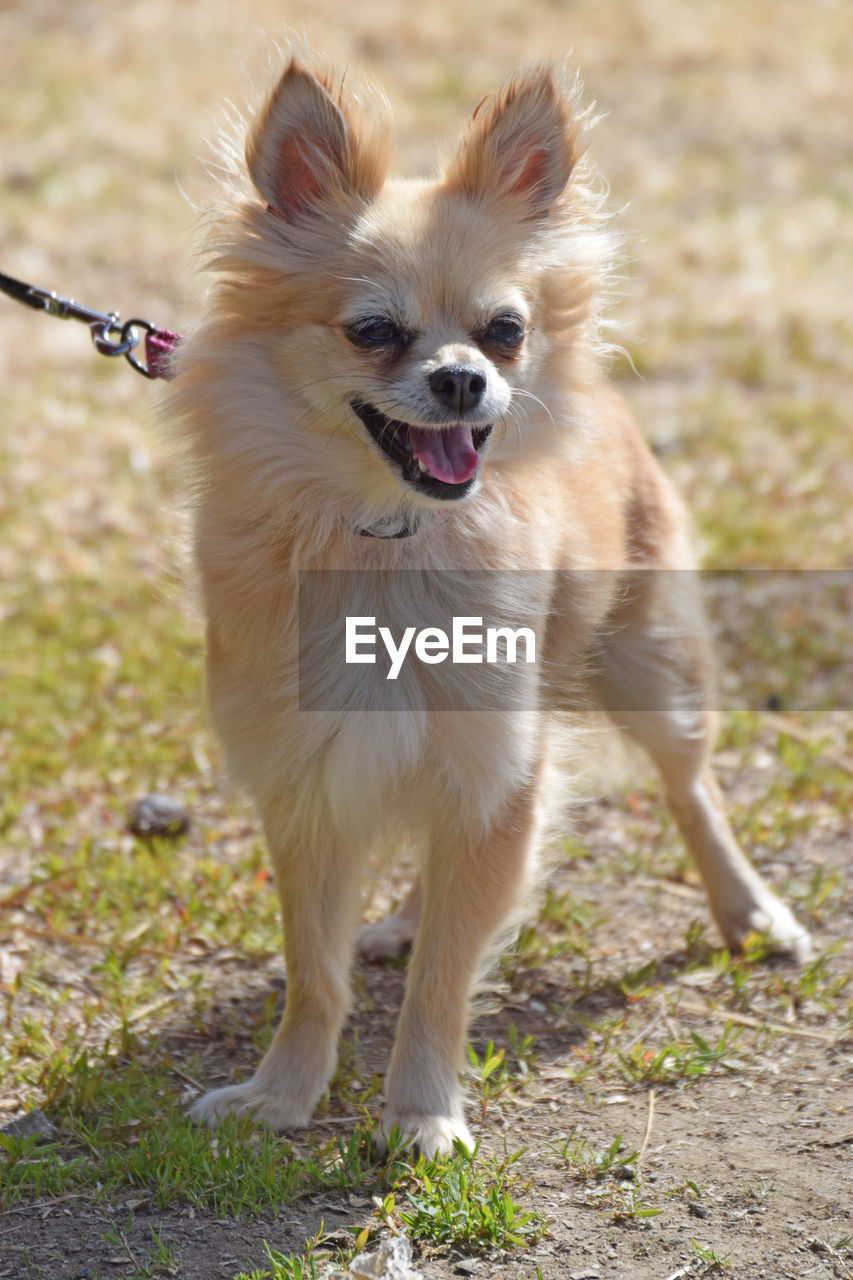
458 387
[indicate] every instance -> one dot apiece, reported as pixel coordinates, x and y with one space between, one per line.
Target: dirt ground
728 140
768 1147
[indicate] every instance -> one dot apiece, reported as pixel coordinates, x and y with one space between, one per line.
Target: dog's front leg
472 881
318 886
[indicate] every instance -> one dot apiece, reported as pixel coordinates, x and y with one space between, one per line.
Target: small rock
157 815
698 1210
465 1266
390 1262
31 1124
588 1274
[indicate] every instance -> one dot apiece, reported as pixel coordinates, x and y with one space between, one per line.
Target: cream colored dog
401 380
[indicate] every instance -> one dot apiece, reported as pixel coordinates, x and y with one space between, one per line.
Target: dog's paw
386 939
252 1100
433 1136
771 918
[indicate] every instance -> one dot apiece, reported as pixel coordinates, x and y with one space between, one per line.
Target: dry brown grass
727 138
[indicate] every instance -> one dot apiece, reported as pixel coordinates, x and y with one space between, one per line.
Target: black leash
110 336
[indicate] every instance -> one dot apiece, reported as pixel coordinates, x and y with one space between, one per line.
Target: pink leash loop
159 345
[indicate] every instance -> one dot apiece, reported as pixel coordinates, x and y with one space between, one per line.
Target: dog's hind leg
318 886
394 935
655 681
472 882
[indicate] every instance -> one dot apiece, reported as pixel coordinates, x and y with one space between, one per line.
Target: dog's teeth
422 468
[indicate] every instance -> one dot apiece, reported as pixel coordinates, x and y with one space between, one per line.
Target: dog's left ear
313 145
521 145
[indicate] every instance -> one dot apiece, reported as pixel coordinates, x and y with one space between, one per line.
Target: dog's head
422 329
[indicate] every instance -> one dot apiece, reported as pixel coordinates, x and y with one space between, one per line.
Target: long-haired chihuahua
401 382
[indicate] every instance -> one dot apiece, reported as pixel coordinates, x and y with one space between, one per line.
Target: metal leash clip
101 324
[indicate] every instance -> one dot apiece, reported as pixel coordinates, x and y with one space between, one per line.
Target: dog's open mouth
442 463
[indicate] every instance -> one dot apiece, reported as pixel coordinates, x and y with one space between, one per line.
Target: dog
398 386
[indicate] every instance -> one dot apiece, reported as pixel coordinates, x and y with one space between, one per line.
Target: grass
466 1201
612 1176
124 1129
135 1136
729 146
161 1260
499 1074
282 1267
709 1258
590 1162
680 1059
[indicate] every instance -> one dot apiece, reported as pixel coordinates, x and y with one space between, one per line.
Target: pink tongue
447 455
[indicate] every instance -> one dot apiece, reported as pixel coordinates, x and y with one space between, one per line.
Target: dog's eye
373 332
505 332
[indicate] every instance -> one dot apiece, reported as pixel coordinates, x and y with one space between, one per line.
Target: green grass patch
465 1200
123 1128
680 1059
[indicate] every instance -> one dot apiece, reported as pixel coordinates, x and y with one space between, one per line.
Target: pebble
392 1261
157 815
31 1124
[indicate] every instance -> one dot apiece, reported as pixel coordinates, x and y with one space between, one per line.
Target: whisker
512 417
335 377
521 391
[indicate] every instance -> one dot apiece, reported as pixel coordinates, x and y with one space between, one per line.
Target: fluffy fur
449 306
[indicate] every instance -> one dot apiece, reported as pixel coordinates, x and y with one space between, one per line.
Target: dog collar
398 526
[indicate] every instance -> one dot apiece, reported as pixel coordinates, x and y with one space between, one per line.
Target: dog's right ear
311 145
521 146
